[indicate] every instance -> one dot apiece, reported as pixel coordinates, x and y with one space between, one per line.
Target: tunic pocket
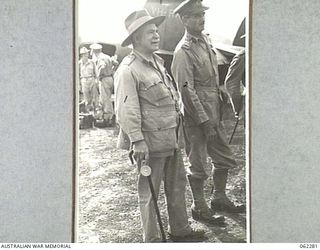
159 130
203 76
158 120
155 92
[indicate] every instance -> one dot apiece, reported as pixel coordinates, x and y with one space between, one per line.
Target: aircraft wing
228 50
222 59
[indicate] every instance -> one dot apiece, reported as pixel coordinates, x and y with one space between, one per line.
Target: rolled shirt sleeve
182 70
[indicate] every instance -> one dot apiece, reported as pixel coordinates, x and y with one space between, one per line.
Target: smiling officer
148 112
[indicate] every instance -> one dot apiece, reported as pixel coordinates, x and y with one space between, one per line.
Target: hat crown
95 46
190 6
83 50
133 17
136 20
197 3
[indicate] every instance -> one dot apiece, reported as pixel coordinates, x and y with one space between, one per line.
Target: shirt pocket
202 75
154 120
155 92
159 130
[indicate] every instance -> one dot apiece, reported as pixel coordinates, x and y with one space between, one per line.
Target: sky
103 20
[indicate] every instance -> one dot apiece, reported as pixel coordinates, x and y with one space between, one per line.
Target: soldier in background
88 75
195 70
235 80
105 69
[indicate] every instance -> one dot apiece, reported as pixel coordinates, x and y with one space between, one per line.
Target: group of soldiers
158 120
96 81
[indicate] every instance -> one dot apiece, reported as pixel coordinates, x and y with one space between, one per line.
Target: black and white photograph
145 121
162 121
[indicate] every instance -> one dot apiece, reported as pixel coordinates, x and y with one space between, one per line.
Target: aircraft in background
171 31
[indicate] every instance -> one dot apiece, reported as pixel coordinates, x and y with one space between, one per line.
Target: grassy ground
108 210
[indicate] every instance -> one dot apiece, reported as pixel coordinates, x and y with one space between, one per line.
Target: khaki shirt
146 103
87 70
195 70
236 74
104 64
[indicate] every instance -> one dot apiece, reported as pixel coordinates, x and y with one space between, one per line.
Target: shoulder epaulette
186 44
128 59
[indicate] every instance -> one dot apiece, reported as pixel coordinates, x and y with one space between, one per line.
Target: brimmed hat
136 20
84 50
95 46
188 7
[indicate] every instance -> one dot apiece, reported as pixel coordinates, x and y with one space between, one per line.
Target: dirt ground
108 205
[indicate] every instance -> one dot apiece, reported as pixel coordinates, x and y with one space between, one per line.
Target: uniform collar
146 60
193 38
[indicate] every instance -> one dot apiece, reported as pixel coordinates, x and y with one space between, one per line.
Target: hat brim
96 48
156 20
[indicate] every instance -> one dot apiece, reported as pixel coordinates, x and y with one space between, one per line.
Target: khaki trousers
199 148
171 171
106 88
90 93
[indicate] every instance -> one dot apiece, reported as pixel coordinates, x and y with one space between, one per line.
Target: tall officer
195 70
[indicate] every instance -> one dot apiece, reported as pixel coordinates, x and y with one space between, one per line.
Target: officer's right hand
208 129
140 151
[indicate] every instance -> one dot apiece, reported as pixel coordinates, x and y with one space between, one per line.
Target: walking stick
234 129
236 116
145 170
